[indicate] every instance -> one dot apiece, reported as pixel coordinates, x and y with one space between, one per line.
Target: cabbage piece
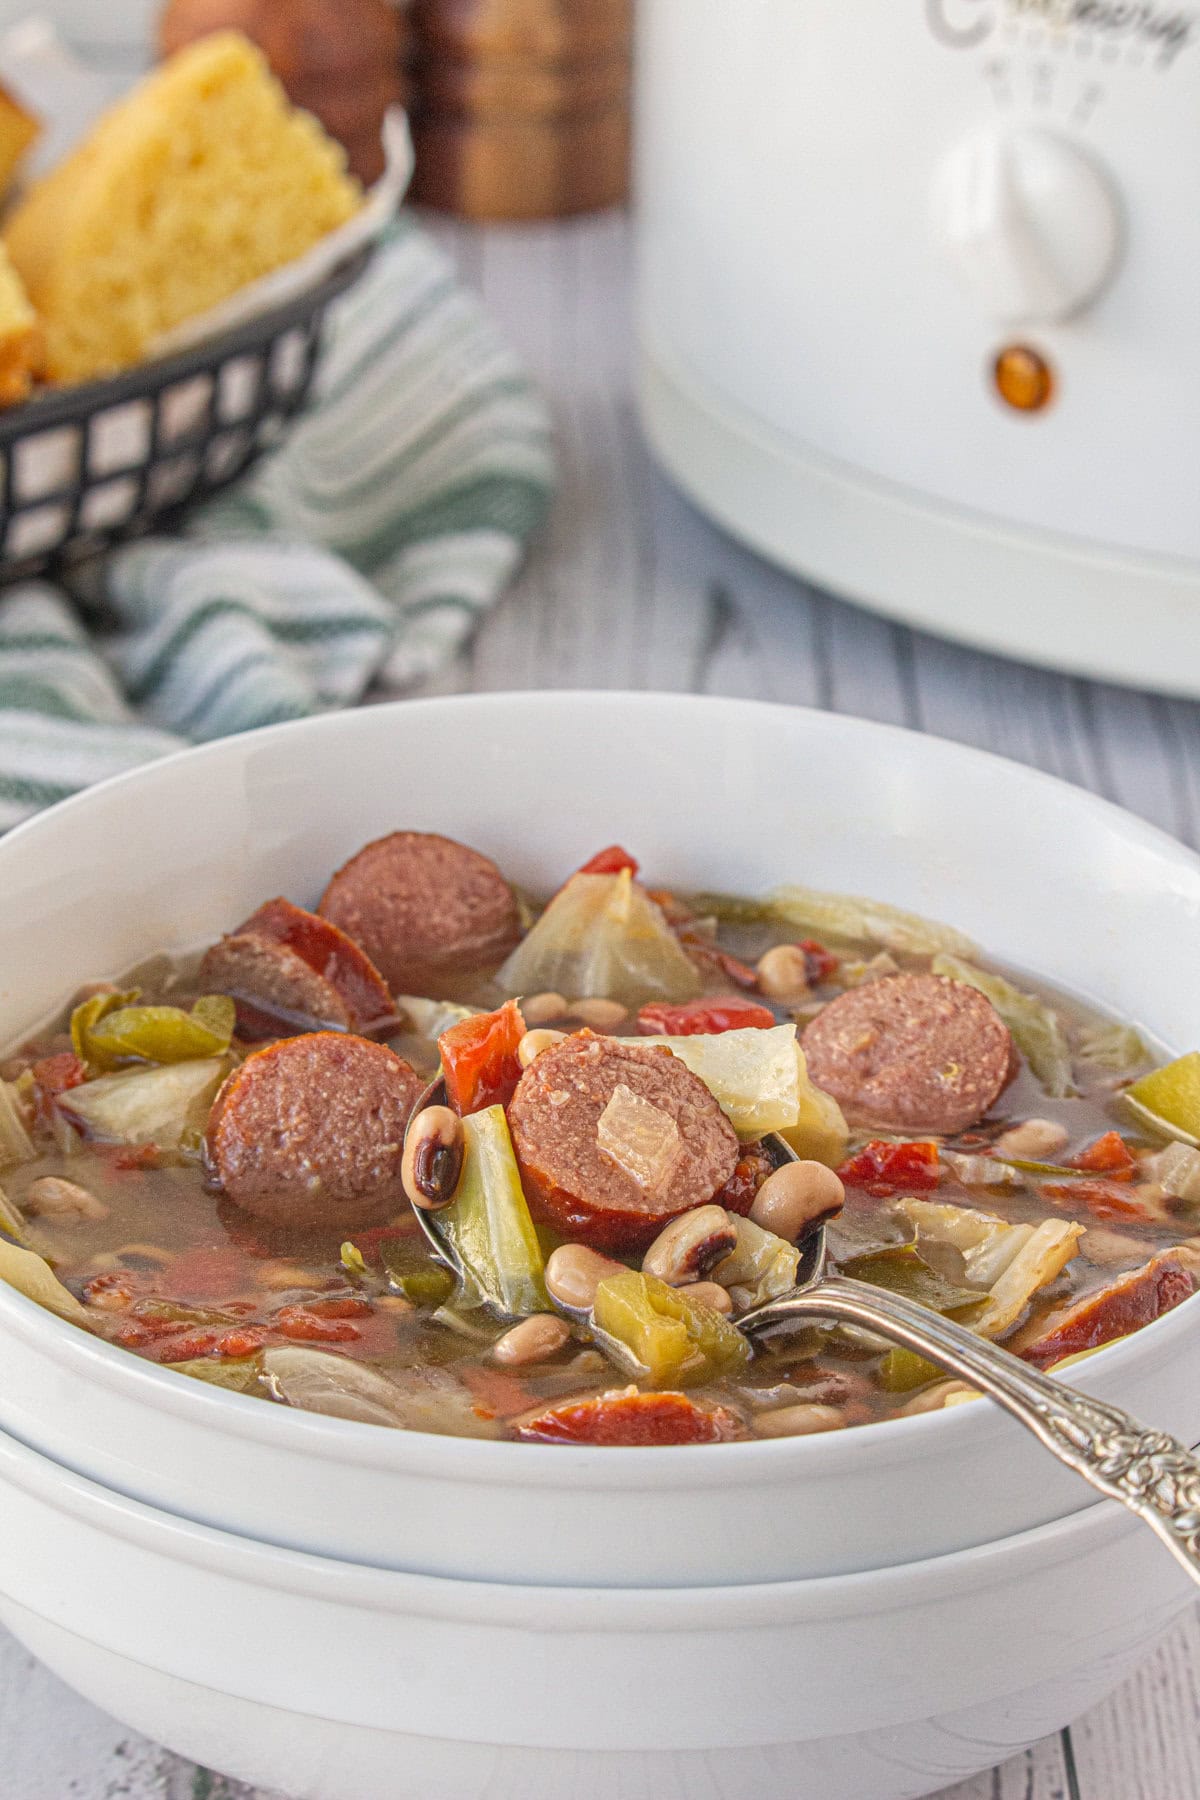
864 921
108 1031
32 1276
975 1246
640 1138
1040 1260
16 1145
430 1399
239 1374
602 937
488 1226
760 1267
759 1079
11 1221
902 1270
147 1106
1008 1262
1035 1028
1116 1047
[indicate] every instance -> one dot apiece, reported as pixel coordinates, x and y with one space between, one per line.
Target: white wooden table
631 588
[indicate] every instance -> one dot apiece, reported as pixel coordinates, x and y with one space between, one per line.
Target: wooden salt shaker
520 108
339 59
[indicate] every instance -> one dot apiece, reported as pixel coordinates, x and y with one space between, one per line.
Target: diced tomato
819 963
128 1158
479 1059
1098 1197
753 1167
711 958
631 1418
54 1075
210 1340
880 1168
138 1331
306 1326
696 1017
339 1306
1109 1155
611 861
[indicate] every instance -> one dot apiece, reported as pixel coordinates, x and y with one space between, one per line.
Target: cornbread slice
201 180
18 130
20 337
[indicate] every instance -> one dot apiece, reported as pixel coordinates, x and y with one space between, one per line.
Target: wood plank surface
632 588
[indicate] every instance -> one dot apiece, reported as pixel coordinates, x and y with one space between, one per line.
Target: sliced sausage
578 1187
911 1052
1112 1311
310 1131
289 970
423 907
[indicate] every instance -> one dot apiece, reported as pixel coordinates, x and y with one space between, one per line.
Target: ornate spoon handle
1150 1472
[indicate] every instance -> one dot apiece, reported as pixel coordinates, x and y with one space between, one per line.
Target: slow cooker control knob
1032 225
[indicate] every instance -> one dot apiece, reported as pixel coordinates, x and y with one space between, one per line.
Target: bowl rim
817 1456
560 1608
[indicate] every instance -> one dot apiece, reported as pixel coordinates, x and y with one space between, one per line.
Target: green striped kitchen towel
359 557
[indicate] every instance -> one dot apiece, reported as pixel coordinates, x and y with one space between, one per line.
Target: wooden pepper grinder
520 108
339 59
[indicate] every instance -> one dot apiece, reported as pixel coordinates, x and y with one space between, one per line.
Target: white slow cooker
919 307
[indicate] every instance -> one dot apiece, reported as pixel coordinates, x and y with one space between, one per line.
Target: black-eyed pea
795 1197
799 1421
711 1294
534 1042
534 1340
433 1157
783 973
573 1273
53 1197
685 1250
600 1015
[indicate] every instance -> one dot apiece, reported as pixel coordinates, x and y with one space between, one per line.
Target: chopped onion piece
640 1138
1177 1171
981 1171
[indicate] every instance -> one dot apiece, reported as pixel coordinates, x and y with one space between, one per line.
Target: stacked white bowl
344 1612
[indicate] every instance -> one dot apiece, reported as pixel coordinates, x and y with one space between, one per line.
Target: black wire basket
85 467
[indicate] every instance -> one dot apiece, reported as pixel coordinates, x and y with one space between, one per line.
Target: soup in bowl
282 940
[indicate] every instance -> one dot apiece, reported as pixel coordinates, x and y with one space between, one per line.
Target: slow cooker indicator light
1024 379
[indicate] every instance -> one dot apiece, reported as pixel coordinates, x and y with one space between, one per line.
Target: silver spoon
1153 1474
1150 1472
